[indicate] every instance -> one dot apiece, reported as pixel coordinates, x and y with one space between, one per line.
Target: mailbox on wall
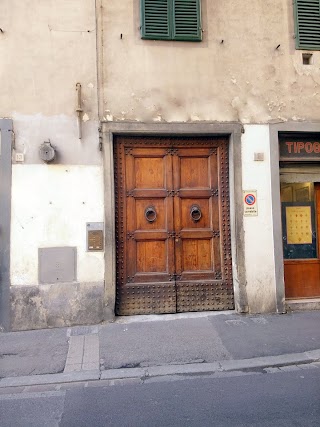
95 236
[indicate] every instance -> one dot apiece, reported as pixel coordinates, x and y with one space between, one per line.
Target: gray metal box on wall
57 264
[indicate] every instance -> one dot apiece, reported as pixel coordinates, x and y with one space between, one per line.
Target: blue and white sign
250 203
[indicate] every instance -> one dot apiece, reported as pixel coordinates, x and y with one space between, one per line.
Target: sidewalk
146 346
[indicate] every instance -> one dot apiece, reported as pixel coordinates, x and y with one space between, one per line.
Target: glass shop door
300 211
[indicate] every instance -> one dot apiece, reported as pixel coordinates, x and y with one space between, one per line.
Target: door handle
195 213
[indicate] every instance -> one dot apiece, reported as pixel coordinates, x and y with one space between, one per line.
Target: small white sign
250 203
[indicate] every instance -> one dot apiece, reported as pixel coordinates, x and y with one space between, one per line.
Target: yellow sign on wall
299 225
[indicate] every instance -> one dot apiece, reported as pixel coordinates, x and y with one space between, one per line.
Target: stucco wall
259 245
245 77
50 208
46 48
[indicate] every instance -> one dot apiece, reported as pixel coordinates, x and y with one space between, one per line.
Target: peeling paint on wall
248 77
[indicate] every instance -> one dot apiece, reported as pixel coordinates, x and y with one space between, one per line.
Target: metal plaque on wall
95 236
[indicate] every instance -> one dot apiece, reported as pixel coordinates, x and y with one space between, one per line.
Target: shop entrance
301 231
172 225
300 212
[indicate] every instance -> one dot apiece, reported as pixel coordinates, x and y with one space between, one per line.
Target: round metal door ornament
150 214
195 213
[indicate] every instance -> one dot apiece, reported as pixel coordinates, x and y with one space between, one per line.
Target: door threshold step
302 304
173 316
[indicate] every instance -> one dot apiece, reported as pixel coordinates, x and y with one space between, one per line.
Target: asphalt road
282 399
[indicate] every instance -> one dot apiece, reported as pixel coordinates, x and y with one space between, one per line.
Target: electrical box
57 264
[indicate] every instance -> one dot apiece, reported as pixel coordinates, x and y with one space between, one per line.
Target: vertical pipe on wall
79 109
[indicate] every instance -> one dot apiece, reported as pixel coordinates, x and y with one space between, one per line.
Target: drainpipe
79 110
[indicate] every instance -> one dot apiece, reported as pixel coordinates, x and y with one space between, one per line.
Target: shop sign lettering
299 150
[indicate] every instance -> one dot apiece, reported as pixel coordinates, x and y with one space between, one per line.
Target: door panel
146 284
197 226
172 225
197 254
302 278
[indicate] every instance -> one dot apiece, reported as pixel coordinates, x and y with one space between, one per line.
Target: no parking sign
250 203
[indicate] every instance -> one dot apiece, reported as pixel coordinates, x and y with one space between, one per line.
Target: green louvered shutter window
307 23
155 16
186 20
171 20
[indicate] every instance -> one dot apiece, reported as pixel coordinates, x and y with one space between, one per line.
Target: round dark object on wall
46 152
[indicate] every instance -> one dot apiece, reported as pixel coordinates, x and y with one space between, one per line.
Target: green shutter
186 20
171 20
307 17
155 16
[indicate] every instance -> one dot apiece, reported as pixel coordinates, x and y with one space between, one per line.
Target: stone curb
166 370
67 377
209 368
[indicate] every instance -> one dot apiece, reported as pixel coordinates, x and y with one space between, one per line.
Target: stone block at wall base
304 304
56 305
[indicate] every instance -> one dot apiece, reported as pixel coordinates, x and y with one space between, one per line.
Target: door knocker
150 214
195 213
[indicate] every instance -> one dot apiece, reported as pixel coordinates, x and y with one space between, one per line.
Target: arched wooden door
172 225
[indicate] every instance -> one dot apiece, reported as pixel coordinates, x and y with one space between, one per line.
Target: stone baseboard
303 304
56 305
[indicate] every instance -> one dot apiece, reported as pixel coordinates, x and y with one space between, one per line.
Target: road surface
279 399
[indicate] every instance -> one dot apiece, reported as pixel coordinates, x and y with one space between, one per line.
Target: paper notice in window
299 225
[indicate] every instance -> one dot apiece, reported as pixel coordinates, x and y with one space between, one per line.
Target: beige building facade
79 76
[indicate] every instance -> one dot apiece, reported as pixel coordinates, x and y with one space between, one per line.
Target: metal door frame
5 220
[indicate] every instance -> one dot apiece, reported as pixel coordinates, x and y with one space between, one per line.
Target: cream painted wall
50 207
244 78
46 48
259 247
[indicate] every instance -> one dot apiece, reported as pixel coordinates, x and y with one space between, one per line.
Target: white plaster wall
46 48
50 207
259 250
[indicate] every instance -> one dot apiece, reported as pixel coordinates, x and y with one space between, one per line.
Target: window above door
178 20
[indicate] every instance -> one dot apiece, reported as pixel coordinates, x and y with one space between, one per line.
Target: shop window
307 24
298 221
171 20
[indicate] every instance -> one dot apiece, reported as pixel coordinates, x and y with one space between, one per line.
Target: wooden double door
172 225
